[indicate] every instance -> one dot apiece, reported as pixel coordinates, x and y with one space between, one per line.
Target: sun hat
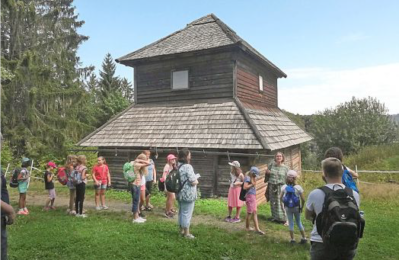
170 157
51 164
235 164
292 174
254 170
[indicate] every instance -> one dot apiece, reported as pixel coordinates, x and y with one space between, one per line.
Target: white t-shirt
298 190
315 203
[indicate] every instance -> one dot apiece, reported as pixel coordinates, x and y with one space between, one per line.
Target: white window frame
182 82
261 85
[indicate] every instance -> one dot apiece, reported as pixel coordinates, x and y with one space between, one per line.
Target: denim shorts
100 187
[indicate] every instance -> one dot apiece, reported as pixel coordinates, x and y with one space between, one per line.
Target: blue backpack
290 199
348 180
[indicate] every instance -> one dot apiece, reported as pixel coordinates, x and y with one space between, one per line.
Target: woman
102 179
278 174
170 196
188 193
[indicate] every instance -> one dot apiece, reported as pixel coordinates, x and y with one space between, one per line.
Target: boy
332 172
49 185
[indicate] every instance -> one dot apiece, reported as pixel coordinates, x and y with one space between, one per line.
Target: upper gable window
260 83
180 79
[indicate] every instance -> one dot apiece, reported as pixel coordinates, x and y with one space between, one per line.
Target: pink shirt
166 170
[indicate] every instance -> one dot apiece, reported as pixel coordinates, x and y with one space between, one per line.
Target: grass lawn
54 235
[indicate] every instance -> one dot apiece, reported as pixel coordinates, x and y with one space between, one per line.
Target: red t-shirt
101 173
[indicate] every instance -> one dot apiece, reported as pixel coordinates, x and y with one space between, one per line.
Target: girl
150 179
23 181
80 181
170 196
233 199
69 169
250 199
140 171
278 174
188 194
293 211
102 179
49 185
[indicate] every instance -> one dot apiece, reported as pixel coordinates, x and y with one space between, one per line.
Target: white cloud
308 90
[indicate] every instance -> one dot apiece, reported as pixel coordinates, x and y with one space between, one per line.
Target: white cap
235 164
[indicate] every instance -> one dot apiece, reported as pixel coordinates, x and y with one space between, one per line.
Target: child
49 185
140 171
290 209
150 179
233 199
250 199
102 179
170 196
69 169
23 182
349 176
80 181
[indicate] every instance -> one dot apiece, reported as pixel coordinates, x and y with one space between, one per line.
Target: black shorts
148 188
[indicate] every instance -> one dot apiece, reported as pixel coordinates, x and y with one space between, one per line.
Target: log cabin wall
115 161
247 79
210 76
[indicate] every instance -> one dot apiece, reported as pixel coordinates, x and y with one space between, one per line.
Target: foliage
49 101
353 125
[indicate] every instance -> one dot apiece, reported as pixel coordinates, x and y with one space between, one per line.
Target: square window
180 79
260 83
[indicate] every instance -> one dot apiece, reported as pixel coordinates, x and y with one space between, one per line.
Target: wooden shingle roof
216 125
208 32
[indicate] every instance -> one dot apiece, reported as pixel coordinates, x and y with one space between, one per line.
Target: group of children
77 176
239 182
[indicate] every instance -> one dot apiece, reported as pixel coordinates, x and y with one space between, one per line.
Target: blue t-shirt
150 175
251 190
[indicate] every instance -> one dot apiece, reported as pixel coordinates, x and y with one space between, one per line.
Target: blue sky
331 50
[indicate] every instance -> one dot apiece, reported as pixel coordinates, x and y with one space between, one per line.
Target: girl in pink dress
233 199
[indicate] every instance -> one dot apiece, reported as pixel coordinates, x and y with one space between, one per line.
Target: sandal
260 232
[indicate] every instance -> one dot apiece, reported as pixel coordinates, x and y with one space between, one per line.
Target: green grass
54 235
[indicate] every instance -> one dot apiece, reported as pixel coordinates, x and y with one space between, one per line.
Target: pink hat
170 157
292 174
51 164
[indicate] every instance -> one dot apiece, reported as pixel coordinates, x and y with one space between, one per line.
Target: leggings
291 212
80 197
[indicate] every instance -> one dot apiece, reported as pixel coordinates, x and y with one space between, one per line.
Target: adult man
7 215
332 172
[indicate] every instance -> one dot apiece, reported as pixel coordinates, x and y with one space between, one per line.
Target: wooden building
205 88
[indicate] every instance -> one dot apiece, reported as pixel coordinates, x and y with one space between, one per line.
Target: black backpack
339 223
14 178
173 182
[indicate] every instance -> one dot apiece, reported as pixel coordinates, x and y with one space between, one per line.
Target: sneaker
78 215
304 241
142 219
138 220
228 219
105 207
98 208
21 212
189 236
72 212
83 216
292 241
235 220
